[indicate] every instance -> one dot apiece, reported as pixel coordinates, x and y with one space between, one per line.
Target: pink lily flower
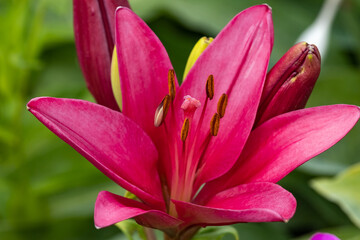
197 162
324 236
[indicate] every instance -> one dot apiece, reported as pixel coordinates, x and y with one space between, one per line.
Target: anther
215 124
222 103
161 111
210 87
171 83
185 130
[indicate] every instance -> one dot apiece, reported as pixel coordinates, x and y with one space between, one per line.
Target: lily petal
94 25
111 208
253 202
143 68
110 141
283 143
238 59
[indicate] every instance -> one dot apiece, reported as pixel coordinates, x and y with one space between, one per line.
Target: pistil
210 91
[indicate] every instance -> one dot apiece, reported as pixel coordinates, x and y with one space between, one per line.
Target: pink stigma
189 105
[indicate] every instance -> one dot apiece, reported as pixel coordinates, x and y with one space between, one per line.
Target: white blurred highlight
318 32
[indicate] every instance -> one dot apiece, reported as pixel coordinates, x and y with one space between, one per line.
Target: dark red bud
94 28
290 82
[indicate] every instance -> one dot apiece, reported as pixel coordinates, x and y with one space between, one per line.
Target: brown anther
185 130
210 87
171 83
222 103
161 111
215 124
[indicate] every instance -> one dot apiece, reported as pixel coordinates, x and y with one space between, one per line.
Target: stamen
161 111
215 124
222 103
171 83
185 130
210 87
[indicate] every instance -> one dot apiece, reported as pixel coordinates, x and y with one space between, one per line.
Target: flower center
188 150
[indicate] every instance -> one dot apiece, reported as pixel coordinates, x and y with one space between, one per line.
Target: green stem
186 234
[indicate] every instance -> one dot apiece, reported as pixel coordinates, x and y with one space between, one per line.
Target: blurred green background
47 190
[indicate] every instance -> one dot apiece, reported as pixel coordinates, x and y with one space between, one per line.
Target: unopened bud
115 79
290 82
94 26
198 49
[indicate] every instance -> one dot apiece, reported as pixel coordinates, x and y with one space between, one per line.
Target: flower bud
115 79
94 29
289 83
198 49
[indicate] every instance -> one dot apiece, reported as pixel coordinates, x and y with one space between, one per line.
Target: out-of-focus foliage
131 230
343 190
216 233
47 190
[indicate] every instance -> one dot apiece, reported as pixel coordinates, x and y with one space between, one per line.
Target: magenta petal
238 59
283 143
143 67
254 202
110 141
94 24
324 236
111 209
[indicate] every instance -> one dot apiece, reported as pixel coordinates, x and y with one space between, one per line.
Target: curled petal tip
33 101
120 8
267 6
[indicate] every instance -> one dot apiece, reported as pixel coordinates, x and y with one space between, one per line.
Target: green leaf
216 233
323 167
343 190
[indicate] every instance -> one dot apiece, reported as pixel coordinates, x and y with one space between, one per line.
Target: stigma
190 105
